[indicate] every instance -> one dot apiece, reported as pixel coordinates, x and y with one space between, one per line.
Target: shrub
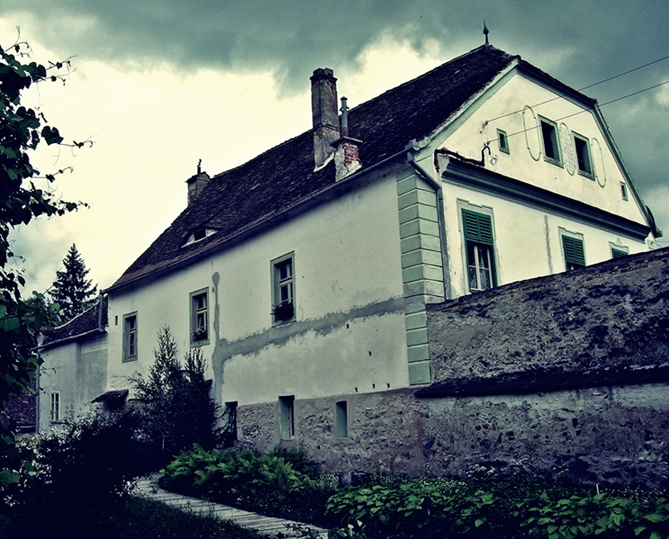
246 479
80 474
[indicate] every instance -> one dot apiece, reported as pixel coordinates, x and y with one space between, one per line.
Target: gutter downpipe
436 185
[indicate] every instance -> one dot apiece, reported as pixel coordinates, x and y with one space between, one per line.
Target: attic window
503 141
582 147
623 191
198 235
549 136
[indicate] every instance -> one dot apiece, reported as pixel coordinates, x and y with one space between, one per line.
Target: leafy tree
175 399
71 290
22 129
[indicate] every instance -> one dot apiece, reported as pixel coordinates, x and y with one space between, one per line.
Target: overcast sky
160 84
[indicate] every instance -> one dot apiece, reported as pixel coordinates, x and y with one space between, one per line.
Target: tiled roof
237 200
92 319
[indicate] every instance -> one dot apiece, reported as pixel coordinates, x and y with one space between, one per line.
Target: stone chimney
197 183
325 117
347 156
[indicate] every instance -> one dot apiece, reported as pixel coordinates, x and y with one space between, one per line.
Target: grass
136 518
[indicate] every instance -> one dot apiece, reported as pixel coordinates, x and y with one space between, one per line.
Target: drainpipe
436 185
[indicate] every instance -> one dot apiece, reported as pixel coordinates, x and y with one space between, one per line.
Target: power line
584 110
584 88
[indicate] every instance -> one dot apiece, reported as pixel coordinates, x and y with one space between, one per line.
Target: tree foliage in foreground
22 130
178 411
71 290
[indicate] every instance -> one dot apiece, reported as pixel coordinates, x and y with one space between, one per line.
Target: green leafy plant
175 402
22 130
264 483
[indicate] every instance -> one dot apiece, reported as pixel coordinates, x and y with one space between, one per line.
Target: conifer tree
71 290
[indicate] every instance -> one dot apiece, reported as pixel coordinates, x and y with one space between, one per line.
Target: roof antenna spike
485 32
199 166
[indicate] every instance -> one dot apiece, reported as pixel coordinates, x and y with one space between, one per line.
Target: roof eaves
466 107
301 206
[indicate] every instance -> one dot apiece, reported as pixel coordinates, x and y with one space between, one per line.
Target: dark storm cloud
579 42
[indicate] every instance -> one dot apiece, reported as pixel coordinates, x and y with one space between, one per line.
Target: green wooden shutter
478 227
573 251
618 253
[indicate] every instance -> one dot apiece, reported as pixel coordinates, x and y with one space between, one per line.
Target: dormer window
198 235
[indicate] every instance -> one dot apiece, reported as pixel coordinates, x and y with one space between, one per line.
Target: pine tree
71 290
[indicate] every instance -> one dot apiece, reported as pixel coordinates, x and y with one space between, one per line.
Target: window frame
283 311
482 238
54 410
555 144
503 141
229 420
128 354
585 145
570 253
286 417
618 251
341 419
195 311
624 191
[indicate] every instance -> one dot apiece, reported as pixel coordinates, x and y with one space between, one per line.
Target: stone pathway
148 487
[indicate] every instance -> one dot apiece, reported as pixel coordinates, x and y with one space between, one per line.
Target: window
341 419
583 159
130 337
503 141
199 317
574 255
549 136
229 424
283 293
287 417
623 190
479 245
618 252
55 407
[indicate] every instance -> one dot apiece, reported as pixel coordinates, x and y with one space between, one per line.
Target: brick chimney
197 183
347 155
325 116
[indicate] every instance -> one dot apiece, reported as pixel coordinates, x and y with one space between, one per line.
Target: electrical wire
584 110
584 88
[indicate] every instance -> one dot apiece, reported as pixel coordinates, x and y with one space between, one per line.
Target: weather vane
485 33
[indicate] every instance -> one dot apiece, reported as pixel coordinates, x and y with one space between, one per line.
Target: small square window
287 417
199 317
503 140
583 158
283 290
341 419
130 337
54 413
551 141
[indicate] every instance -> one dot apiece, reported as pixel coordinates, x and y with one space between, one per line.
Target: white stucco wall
528 241
514 105
349 331
78 371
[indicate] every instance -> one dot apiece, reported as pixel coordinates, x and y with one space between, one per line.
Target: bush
175 402
246 479
493 508
80 474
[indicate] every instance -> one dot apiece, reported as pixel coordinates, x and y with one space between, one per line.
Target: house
306 274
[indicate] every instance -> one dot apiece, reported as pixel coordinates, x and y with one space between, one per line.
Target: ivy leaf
51 135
